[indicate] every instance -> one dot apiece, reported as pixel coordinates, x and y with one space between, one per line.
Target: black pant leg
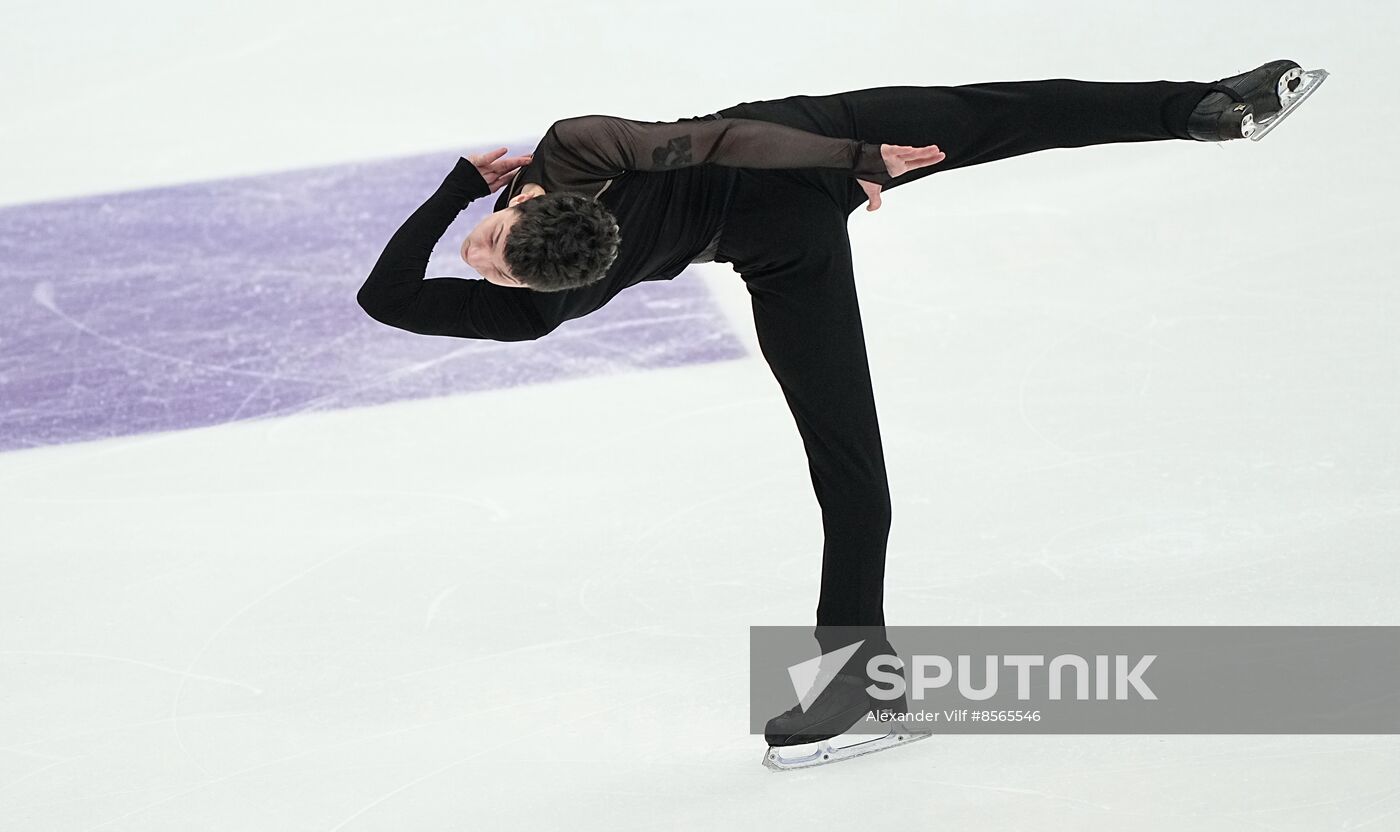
977 123
789 243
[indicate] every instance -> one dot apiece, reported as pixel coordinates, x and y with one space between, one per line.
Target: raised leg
977 123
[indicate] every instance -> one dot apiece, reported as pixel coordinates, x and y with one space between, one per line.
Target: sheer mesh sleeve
580 153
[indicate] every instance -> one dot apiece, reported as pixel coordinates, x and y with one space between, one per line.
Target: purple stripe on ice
218 301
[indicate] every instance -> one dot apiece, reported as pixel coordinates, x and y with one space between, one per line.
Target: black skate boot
1240 105
841 705
837 709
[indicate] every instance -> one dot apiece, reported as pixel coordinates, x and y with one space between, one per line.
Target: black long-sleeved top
667 183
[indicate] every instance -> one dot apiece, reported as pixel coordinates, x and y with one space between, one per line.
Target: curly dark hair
562 241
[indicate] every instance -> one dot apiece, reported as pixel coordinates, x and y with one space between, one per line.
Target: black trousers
786 235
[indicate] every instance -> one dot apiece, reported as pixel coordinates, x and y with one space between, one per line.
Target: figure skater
604 203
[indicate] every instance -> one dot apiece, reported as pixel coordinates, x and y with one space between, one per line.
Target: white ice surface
349 621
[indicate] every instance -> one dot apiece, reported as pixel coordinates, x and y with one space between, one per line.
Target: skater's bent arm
396 292
587 148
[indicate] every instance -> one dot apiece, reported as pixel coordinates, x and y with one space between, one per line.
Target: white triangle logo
811 677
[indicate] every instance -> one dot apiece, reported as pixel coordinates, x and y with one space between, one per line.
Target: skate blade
828 751
1309 82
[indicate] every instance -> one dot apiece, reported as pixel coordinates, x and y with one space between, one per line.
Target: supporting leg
798 271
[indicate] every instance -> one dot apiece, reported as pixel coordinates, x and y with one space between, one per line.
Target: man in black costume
604 203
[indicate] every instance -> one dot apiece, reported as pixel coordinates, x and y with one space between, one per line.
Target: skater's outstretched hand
900 159
495 170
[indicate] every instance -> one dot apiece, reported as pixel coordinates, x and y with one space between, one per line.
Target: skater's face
485 248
